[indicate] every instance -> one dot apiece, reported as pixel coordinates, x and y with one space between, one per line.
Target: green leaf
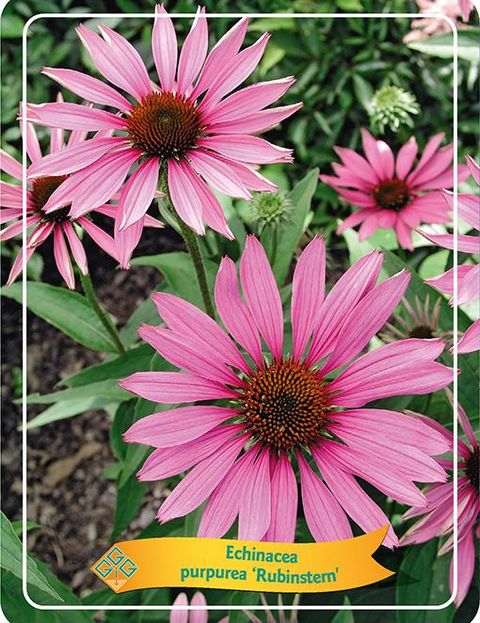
64 410
423 580
442 46
137 358
12 560
179 273
68 311
344 616
129 499
18 526
363 91
290 232
241 598
11 27
103 389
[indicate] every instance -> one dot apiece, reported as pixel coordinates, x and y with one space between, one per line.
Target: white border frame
227 607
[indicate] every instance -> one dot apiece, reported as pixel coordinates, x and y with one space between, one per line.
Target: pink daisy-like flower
281 409
468 275
58 224
425 27
191 616
436 518
391 192
192 124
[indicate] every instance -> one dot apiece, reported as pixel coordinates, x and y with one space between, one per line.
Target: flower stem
101 313
191 242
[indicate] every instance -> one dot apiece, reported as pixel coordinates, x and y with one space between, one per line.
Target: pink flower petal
284 495
193 54
126 240
137 194
73 117
354 219
406 157
33 146
468 287
392 370
199 616
73 158
255 123
16 228
436 166
11 196
180 616
164 48
379 155
325 517
250 178
10 165
101 238
470 341
62 257
245 148
356 197
430 148
200 482
174 387
195 325
308 291
262 295
177 426
17 265
234 313
218 173
76 247
255 501
184 196
368 317
353 499
467 244
404 234
88 88
468 207
444 282
223 505
342 298
465 567
180 352
474 169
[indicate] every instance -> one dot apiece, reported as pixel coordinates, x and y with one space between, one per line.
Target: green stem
193 248
274 244
101 313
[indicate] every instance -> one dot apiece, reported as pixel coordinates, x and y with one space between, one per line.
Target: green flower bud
392 107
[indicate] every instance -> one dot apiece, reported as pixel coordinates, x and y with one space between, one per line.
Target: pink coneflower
192 124
57 224
285 408
391 192
468 275
191 616
427 26
436 518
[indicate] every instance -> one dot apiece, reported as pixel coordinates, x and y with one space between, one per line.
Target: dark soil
67 494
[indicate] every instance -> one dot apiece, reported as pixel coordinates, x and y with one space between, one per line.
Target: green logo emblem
115 568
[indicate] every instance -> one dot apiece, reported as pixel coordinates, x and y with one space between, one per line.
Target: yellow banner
242 565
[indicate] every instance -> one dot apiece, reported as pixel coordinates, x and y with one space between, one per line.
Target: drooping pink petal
137 194
468 207
33 146
444 282
470 340
16 228
284 496
180 352
354 219
406 157
368 227
126 240
184 197
218 173
262 295
178 426
200 482
88 88
12 197
404 234
194 324
73 117
73 158
465 567
98 182
40 234
101 238
255 123
468 287
17 265
233 311
325 517
10 165
250 178
62 257
76 247
342 298
174 387
466 244
193 54
308 291
392 370
180 616
353 499
164 48
222 507
255 501
246 148
474 169
218 61
240 67
368 317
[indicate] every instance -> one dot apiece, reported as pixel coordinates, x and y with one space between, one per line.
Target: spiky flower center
472 468
164 124
392 194
285 405
42 189
422 332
